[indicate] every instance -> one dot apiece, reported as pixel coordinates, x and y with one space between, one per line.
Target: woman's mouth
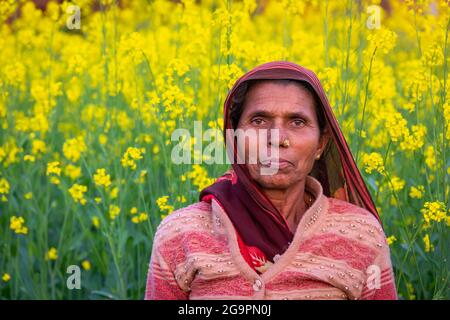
276 163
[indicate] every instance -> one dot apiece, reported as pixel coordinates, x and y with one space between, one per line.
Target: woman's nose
278 135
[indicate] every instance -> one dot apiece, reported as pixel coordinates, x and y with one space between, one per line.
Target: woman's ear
323 141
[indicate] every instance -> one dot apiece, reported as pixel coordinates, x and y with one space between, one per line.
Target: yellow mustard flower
17 224
433 211
54 180
77 192
6 277
52 254
74 148
96 222
114 193
72 171
391 240
86 265
373 161
430 157
113 211
428 246
101 178
29 157
143 216
417 192
162 204
397 184
4 189
131 155
54 168
38 146
102 139
139 218
199 177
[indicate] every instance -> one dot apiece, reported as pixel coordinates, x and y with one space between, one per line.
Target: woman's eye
257 121
298 122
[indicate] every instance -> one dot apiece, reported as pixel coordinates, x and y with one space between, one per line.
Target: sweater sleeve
161 282
380 281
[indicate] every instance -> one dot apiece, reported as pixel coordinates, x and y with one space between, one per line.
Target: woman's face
290 109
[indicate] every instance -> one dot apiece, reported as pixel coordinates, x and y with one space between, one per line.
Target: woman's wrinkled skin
289 108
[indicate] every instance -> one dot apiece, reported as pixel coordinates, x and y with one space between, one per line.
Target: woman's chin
276 181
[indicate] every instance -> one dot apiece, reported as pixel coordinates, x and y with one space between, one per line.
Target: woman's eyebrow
261 113
297 114
268 114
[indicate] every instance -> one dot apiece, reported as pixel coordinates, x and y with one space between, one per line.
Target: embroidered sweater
339 251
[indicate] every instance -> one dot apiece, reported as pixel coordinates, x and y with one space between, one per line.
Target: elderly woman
309 231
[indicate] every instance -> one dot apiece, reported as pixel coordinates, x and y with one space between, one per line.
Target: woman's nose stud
285 143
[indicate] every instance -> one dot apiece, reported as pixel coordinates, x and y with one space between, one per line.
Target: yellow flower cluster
381 40
38 147
7 8
77 192
397 127
373 161
417 192
9 153
6 277
96 222
430 157
73 172
54 171
162 203
113 211
199 177
434 211
4 189
74 148
86 265
390 240
52 254
328 77
17 224
131 155
53 168
397 183
446 112
137 218
114 192
428 245
433 55
410 290
101 178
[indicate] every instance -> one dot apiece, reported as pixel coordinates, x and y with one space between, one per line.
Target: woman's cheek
306 151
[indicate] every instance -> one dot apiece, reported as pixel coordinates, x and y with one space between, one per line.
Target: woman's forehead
273 88
274 97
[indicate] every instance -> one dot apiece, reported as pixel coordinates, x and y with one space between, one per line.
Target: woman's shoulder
349 232
338 206
352 216
195 217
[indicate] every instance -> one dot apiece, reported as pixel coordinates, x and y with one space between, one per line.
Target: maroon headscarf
257 221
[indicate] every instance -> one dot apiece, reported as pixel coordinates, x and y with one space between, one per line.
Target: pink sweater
339 251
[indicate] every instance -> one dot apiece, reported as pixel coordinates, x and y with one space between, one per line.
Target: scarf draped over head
257 221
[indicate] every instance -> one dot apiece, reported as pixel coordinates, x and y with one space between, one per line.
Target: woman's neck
290 202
